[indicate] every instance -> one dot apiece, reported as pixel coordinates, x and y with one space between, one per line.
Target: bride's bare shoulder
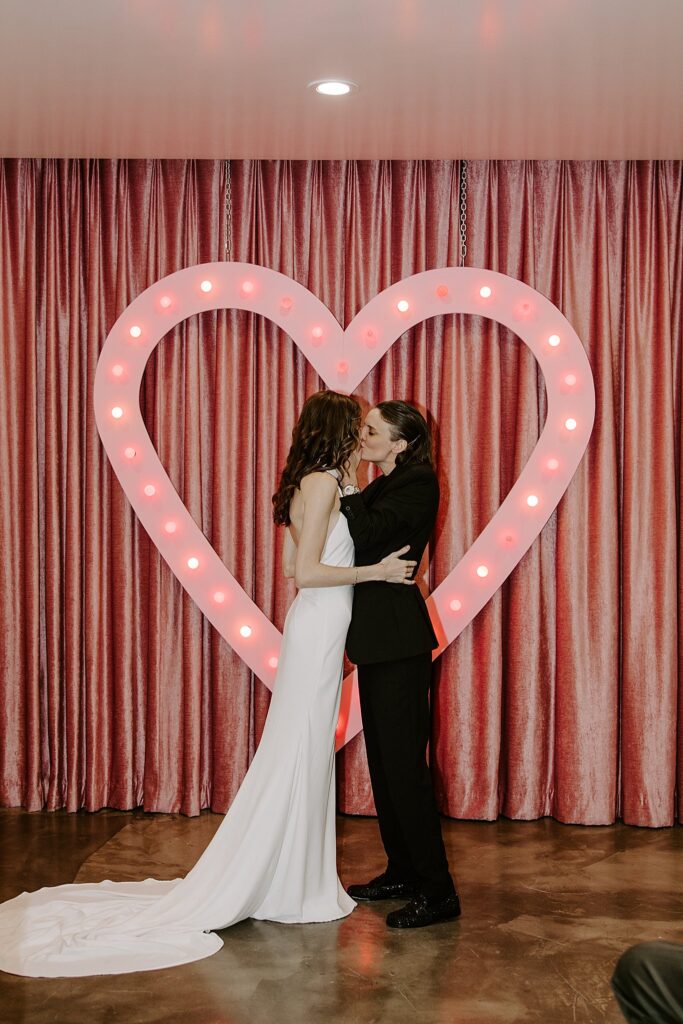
321 483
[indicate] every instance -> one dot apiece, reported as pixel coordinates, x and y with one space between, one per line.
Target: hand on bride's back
396 569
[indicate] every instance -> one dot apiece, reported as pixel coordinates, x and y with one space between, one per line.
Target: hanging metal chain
227 211
463 212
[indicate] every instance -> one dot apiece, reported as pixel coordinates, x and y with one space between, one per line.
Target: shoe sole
427 924
380 899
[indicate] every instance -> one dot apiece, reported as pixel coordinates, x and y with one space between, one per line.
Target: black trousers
394 700
648 983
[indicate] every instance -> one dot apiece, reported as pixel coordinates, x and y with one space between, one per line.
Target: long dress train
273 857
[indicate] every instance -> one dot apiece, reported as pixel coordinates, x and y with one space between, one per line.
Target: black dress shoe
381 888
422 911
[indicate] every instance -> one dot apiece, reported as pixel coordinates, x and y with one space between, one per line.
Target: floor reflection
547 910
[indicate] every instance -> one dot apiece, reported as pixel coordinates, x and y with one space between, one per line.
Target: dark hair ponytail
408 424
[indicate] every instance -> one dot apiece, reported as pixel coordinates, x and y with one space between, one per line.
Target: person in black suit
391 640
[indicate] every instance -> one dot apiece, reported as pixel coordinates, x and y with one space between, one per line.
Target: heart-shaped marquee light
342 358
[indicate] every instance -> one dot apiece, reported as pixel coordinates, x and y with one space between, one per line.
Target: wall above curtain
483 80
562 697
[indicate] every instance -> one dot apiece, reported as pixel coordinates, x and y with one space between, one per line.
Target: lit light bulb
455 605
193 563
170 526
206 286
570 379
247 287
245 631
150 490
342 367
532 500
482 571
554 340
403 305
526 306
117 412
286 303
130 453
317 333
135 331
442 290
485 292
570 424
553 464
165 301
333 88
219 597
272 662
117 370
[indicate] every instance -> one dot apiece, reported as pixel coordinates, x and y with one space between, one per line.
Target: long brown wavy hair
325 436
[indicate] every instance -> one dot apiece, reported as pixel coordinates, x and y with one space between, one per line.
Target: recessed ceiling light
332 86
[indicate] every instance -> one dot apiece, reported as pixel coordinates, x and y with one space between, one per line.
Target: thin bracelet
356 577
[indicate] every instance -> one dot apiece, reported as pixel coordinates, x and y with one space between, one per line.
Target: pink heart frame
342 358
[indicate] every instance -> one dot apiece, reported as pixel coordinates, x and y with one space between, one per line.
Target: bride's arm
288 555
318 491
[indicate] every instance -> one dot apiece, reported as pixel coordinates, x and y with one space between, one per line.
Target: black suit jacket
390 620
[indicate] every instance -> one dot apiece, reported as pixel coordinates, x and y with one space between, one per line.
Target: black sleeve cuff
352 505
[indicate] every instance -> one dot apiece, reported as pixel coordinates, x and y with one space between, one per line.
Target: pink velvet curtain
561 698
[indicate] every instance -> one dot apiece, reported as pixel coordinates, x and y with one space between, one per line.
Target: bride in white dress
274 856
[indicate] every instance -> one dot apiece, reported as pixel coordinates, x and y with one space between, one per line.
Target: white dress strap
337 475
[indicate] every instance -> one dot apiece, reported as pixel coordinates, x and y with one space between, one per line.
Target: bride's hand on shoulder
395 569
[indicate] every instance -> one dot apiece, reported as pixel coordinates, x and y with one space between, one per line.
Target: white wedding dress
273 857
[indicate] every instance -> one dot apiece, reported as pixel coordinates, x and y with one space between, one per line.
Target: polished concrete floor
547 910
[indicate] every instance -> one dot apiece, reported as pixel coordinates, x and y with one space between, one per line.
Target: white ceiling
437 78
